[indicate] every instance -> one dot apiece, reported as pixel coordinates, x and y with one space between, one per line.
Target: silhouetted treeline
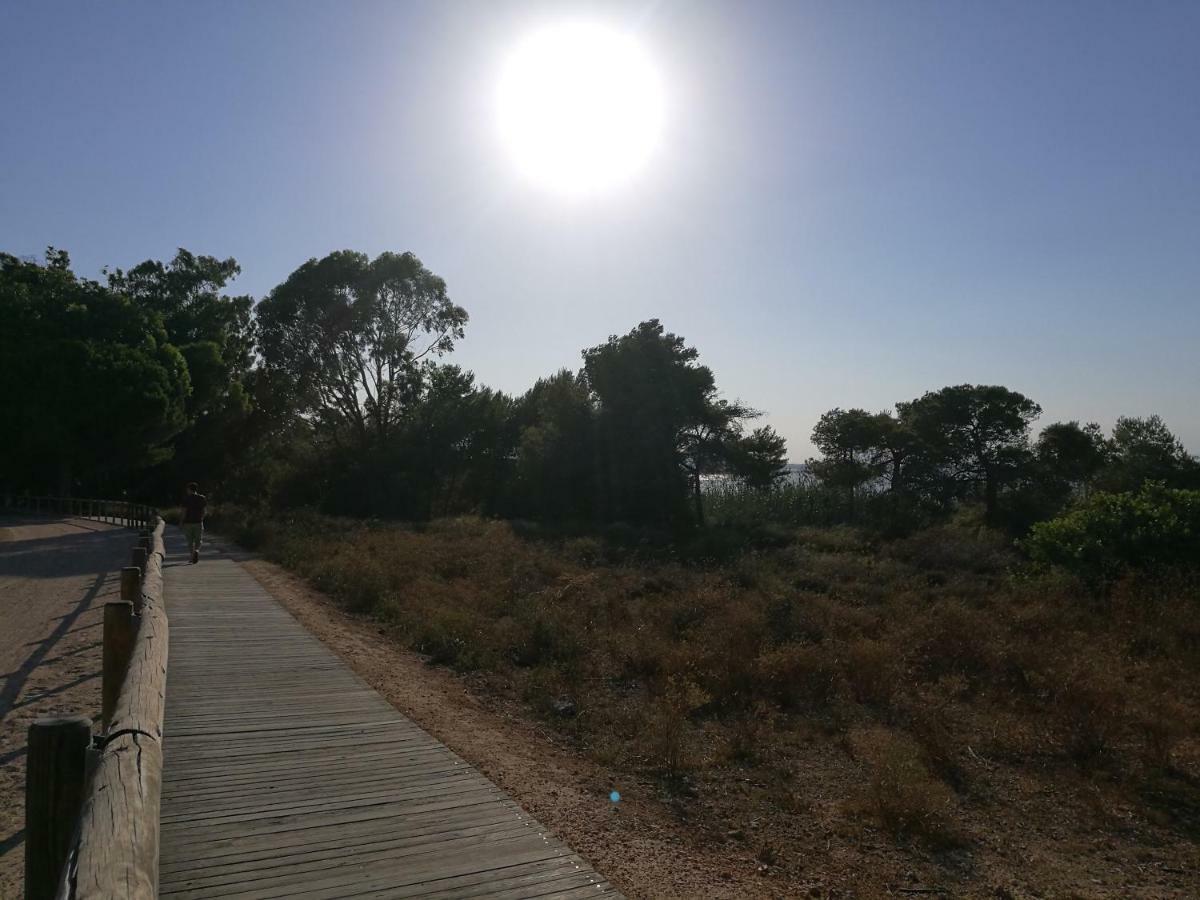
972 442
334 393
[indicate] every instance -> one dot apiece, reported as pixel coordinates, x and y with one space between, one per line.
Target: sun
580 107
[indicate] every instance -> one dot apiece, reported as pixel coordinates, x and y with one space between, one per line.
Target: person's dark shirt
193 508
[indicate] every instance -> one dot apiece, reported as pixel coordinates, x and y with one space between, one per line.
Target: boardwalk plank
287 776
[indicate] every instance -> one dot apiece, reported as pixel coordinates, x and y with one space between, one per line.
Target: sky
848 205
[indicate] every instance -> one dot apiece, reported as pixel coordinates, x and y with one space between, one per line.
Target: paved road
55 576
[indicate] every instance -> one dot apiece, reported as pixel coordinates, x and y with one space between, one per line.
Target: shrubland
911 683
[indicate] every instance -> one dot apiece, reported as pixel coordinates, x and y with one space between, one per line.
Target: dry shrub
933 721
587 551
543 630
871 667
723 658
799 673
447 636
1089 710
1162 727
542 688
950 548
642 656
749 735
901 793
667 740
838 539
952 638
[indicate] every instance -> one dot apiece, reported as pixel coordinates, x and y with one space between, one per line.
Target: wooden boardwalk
287 776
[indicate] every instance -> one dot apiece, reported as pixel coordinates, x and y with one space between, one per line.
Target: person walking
193 519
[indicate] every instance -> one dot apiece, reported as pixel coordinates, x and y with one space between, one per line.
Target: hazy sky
851 203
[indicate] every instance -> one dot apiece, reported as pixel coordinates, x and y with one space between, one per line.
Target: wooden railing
115 512
92 802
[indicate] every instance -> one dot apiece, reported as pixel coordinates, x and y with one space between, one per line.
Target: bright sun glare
580 107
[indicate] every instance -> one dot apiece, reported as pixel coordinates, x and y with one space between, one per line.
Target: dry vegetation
925 708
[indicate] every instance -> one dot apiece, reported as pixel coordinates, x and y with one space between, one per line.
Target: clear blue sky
852 202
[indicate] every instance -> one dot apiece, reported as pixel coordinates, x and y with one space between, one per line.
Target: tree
1070 454
215 334
213 331
1145 449
896 445
972 437
110 390
710 445
760 458
554 470
457 439
658 423
349 332
850 441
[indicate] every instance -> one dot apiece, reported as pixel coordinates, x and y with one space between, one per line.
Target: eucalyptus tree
347 334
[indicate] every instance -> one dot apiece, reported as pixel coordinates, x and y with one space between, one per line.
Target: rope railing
92 801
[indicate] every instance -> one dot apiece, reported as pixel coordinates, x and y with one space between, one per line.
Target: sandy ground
636 842
55 576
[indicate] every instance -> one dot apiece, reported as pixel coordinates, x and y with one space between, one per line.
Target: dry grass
927 667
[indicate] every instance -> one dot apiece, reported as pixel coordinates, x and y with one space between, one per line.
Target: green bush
1108 535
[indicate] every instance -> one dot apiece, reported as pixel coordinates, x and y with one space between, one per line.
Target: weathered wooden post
131 587
55 775
138 557
119 633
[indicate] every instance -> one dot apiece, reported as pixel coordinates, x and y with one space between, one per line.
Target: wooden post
144 539
138 557
55 775
131 587
118 646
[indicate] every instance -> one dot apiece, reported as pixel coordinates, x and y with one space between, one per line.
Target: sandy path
55 576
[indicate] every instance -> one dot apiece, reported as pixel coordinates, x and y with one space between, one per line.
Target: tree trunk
990 491
897 475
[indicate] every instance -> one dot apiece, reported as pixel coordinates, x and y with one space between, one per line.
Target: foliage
348 334
660 427
1107 535
110 390
554 472
971 437
215 334
1071 454
759 459
1144 449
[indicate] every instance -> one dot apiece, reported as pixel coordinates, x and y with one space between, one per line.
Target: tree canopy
334 393
347 333
110 391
